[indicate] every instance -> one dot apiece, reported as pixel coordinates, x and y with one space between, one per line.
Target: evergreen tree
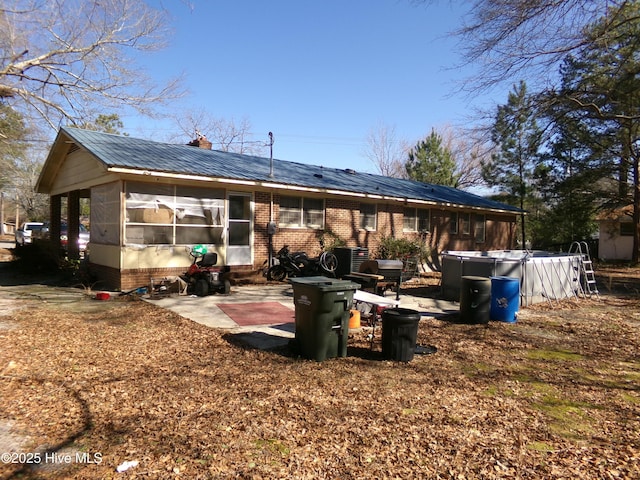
431 162
106 123
600 91
517 138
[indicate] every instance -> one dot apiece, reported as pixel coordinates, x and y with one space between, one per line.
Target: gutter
296 188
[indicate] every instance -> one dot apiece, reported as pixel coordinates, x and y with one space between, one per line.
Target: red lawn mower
203 276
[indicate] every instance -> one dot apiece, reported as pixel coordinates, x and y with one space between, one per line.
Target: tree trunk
635 254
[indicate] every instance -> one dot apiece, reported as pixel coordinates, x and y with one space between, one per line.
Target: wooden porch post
55 209
73 225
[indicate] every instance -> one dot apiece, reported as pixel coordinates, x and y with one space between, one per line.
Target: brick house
151 201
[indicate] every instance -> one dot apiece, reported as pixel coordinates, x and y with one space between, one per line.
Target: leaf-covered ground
555 395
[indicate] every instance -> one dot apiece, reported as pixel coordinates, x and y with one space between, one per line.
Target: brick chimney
200 142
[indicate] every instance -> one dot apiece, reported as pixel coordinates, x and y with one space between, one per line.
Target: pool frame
544 276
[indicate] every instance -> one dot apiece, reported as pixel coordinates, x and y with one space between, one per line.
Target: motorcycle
203 277
299 264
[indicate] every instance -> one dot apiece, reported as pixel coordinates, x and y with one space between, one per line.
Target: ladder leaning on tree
587 275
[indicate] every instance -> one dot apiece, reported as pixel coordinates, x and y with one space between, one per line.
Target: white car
24 233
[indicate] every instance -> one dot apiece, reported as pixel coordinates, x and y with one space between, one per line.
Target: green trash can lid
324 284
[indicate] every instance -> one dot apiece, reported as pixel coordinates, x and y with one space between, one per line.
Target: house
151 201
615 234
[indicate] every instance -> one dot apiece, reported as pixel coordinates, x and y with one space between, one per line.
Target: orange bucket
354 319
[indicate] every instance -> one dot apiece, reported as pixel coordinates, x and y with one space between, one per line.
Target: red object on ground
258 313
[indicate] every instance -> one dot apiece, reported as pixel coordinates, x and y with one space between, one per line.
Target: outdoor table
376 301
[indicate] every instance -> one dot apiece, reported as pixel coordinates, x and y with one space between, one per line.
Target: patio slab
205 310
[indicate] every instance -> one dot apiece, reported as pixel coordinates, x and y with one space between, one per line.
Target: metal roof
117 151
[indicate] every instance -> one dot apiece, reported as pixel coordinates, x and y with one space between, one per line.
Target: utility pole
271 154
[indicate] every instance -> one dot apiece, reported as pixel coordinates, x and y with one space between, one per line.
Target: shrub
400 249
331 240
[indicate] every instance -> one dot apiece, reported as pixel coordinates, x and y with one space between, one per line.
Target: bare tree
467 151
225 134
510 38
69 60
385 151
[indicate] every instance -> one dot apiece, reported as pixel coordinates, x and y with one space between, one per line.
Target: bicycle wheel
328 261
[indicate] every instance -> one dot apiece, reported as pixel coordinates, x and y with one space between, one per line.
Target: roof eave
296 188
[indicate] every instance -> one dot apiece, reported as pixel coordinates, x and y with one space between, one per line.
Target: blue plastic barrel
505 299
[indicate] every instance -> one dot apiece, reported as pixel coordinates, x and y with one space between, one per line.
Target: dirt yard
555 395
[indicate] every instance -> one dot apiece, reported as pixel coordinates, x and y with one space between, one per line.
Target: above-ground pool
543 276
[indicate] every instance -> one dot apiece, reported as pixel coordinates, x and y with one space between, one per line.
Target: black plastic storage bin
399 333
322 306
475 299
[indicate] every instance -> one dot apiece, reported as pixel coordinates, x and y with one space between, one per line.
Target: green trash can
322 307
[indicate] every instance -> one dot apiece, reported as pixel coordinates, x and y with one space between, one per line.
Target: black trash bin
399 333
475 299
322 306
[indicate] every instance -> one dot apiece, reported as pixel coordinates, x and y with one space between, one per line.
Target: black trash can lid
400 313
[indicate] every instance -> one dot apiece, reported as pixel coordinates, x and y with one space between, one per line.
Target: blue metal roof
140 154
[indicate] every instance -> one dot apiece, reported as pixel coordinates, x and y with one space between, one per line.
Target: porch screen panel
173 215
199 215
105 214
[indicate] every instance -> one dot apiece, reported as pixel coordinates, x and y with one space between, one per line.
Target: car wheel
227 287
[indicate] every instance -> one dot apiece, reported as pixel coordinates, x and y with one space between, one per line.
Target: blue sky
319 75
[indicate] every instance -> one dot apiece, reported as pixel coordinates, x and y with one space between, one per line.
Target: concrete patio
205 311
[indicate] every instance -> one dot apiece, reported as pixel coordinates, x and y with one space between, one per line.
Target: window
626 229
424 220
368 216
479 228
416 220
301 212
465 223
313 213
409 220
173 215
290 208
453 223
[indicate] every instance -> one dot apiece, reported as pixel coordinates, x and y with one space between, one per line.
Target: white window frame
416 218
367 215
480 227
453 223
464 219
302 213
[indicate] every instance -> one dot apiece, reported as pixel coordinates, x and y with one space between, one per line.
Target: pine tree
517 138
431 162
601 91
